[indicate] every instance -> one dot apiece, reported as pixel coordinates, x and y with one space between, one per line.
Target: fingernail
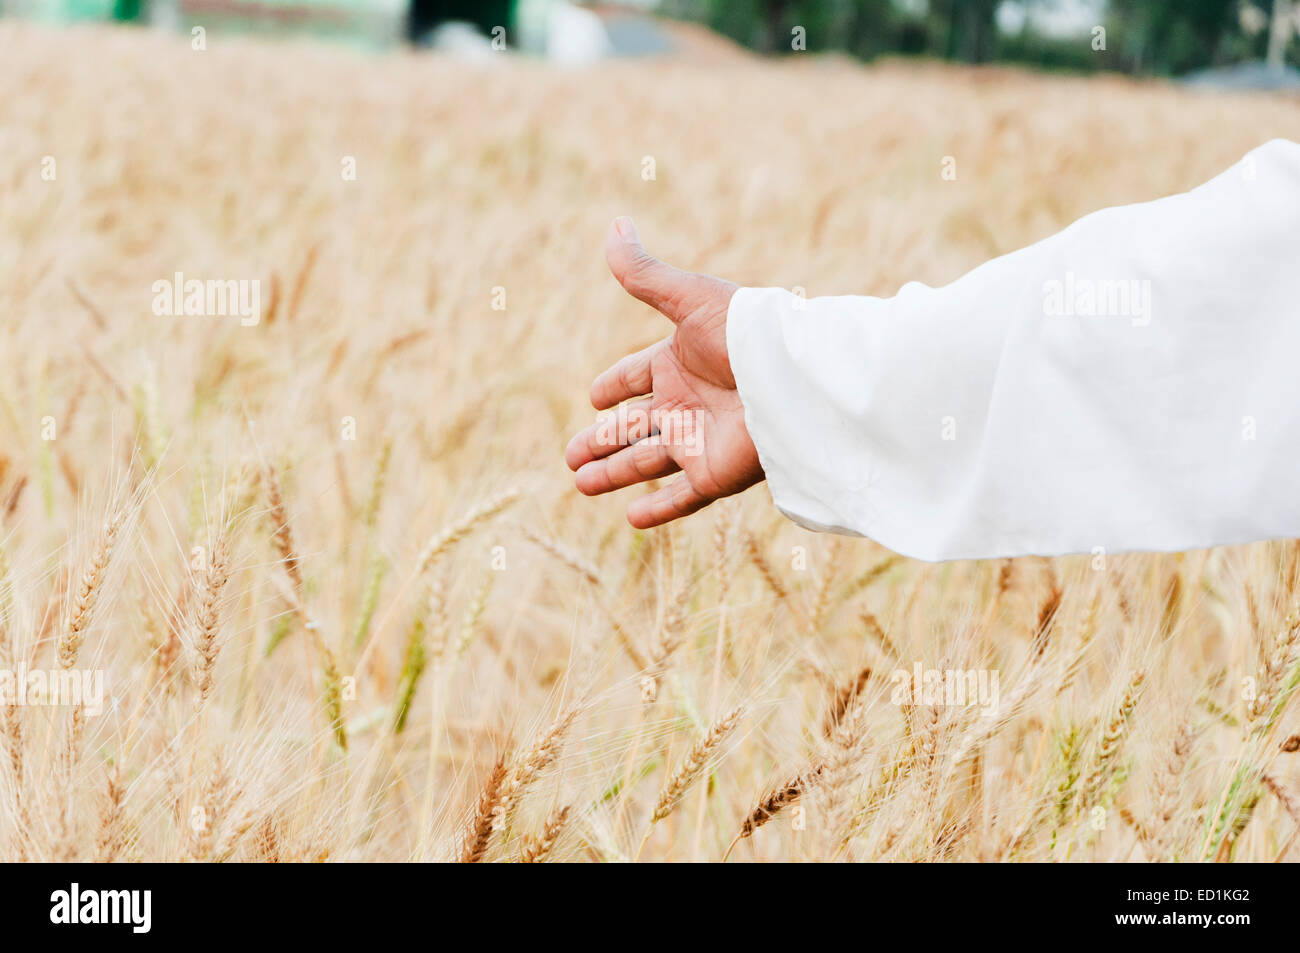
626 228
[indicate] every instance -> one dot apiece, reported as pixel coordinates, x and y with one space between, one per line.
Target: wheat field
344 598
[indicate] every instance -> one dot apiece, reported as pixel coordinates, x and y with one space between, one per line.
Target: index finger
629 377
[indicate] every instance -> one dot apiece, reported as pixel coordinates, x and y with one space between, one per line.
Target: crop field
310 531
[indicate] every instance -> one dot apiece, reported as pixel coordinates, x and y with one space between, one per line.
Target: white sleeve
1131 383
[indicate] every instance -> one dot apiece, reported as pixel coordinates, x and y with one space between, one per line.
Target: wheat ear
690 769
478 835
772 804
438 546
208 618
536 849
92 579
546 748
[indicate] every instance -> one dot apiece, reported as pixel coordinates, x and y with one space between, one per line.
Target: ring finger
647 459
625 426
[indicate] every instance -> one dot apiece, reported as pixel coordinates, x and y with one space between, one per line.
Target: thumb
645 277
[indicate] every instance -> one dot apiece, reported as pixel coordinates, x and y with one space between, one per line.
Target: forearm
1129 383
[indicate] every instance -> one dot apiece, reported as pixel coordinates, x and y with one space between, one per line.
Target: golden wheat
364 621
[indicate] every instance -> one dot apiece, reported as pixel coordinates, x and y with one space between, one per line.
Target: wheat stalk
92 579
545 749
772 804
589 572
478 835
109 840
688 772
536 849
844 696
208 616
440 544
1108 744
282 532
764 567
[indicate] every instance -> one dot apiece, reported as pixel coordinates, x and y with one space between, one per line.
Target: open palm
677 404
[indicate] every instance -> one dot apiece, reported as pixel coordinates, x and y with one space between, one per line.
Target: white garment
1131 383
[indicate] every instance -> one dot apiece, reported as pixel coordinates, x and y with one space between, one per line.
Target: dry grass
421 643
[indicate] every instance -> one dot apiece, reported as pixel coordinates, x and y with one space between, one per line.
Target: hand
688 416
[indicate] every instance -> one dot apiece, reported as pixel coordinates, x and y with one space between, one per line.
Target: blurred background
1225 43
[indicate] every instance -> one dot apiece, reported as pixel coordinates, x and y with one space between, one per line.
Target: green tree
1173 38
